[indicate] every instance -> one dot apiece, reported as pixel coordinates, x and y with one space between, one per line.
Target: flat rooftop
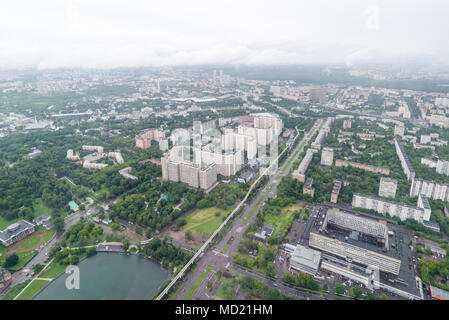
306 256
392 250
356 223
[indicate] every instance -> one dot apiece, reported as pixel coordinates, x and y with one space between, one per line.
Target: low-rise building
16 232
305 260
367 167
308 189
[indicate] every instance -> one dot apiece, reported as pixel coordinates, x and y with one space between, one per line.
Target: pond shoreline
168 273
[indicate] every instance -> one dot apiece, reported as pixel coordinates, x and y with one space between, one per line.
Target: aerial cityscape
211 179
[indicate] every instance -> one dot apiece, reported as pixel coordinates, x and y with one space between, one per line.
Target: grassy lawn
251 212
49 235
13 292
5 223
197 283
40 208
54 271
204 221
282 222
2 250
24 257
220 292
35 286
226 246
181 285
29 243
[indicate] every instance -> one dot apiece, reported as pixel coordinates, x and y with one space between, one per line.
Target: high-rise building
318 95
399 130
189 173
335 191
143 140
387 187
327 156
443 167
405 162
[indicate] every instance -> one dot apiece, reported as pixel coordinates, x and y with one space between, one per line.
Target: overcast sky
112 33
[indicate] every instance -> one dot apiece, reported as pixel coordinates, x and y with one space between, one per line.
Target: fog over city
107 34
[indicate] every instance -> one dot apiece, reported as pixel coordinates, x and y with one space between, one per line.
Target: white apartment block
388 187
92 165
99 149
189 173
327 156
268 121
405 162
429 163
394 209
300 173
425 139
227 164
232 141
399 130
117 156
431 189
72 156
443 167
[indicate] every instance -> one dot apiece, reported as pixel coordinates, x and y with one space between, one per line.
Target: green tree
355 292
339 288
59 223
37 268
74 259
115 226
11 260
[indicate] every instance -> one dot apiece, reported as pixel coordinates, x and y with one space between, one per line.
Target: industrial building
366 249
388 187
305 259
355 238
